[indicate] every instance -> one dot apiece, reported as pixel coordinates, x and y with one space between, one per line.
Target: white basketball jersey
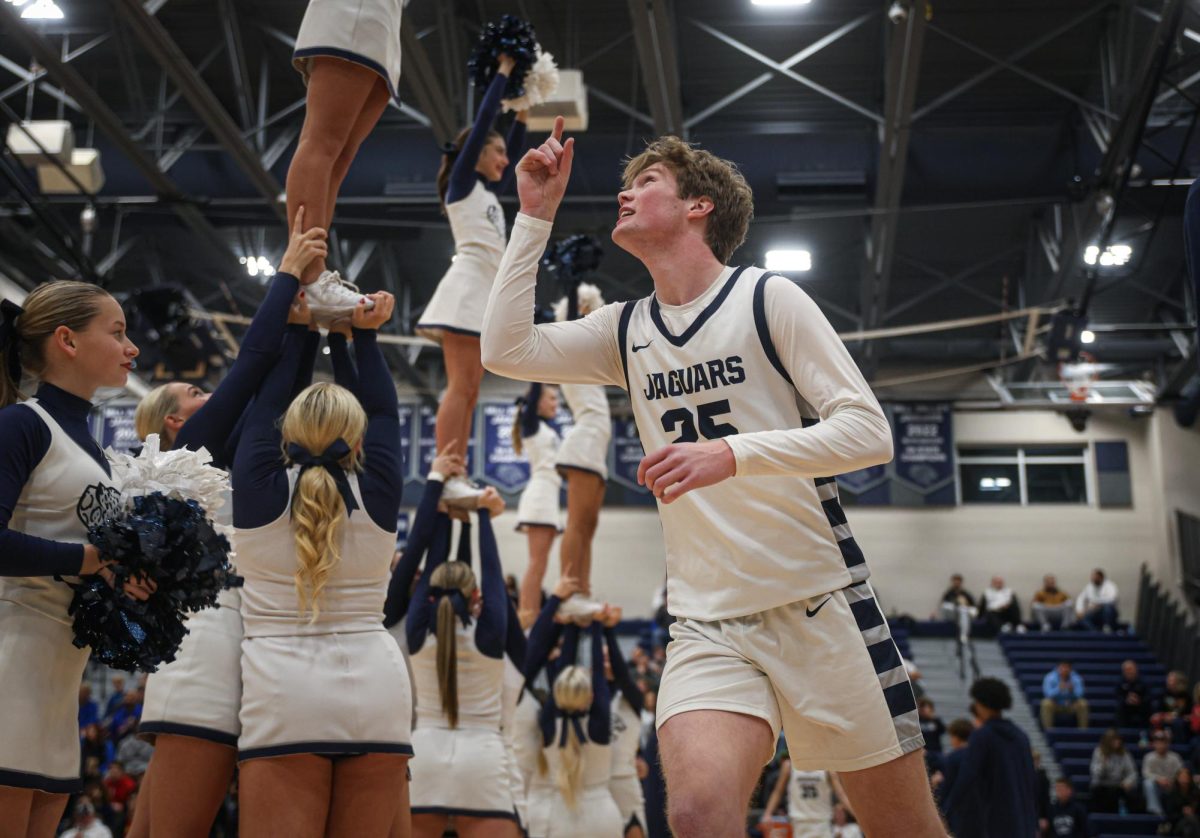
810 797
480 234
747 544
65 494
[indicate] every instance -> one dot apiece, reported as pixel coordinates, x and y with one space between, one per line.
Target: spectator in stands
993 794
89 711
1159 767
1096 606
1041 792
1051 606
95 745
134 753
118 693
1068 817
120 786
1181 805
1062 694
954 596
1133 698
1173 710
944 778
932 727
1000 609
94 791
1114 776
85 823
125 717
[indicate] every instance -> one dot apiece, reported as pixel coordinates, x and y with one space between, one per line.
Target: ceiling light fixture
779 4
789 261
1087 336
1114 256
42 10
256 265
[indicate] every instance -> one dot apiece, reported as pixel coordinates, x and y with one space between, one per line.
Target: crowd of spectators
998 609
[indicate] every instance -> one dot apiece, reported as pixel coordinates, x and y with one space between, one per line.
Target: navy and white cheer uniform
478 226
462 770
763 573
628 703
55 484
585 447
337 685
538 506
365 32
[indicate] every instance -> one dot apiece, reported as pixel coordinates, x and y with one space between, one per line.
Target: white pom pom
590 299
181 473
540 84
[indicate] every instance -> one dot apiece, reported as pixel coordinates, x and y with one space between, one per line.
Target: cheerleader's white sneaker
333 298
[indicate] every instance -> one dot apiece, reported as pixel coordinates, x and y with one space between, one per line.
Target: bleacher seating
1097 657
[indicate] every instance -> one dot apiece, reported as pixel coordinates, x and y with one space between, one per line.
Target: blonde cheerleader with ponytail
325 720
457 628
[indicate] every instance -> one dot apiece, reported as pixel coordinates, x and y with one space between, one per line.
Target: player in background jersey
778 627
810 800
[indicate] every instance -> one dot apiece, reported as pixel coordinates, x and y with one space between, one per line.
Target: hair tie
330 459
457 601
10 340
574 718
450 149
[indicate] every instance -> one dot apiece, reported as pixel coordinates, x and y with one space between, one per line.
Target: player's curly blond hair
699 173
319 416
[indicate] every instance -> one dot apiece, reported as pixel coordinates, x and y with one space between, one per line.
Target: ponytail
24 331
518 439
152 412
573 697
456 577
450 152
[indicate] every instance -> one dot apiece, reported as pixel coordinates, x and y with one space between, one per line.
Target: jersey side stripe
623 338
760 323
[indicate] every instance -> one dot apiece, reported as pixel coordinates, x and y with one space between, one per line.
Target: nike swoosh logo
637 348
814 611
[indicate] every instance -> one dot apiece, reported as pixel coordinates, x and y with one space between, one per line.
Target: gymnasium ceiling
1010 123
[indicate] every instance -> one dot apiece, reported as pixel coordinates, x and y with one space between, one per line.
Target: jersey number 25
705 418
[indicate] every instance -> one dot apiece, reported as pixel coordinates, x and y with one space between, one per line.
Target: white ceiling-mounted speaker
53 135
569 102
84 167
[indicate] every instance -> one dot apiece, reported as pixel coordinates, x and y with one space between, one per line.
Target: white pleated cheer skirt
459 301
631 803
40 673
461 771
199 694
324 694
538 505
595 814
366 32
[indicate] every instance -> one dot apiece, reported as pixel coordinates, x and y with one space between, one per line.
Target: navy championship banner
922 470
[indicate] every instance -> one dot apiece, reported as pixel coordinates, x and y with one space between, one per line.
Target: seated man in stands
1173 709
1051 606
1000 609
954 597
1068 817
1159 768
1133 698
1096 606
1062 694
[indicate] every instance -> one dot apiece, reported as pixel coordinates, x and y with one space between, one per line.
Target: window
1023 475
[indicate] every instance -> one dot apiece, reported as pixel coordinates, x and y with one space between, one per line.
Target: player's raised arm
581 351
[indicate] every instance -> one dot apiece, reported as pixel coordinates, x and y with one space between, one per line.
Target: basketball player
810 800
747 402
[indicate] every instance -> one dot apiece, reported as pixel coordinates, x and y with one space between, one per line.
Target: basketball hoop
1079 377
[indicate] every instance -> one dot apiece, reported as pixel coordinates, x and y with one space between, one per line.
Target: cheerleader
321 679
576 730
472 169
348 52
55 482
583 461
457 630
538 516
190 710
628 703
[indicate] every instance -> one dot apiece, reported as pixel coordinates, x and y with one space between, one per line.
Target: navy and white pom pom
169 542
509 36
574 257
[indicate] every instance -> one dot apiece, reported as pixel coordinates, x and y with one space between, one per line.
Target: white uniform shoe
331 298
461 493
579 606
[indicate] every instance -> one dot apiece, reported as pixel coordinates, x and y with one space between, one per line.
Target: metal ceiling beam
1008 61
758 81
653 34
948 281
158 42
237 63
617 104
786 71
902 72
426 85
1099 207
108 122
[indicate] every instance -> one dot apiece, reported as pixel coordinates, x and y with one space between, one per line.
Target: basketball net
1079 377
